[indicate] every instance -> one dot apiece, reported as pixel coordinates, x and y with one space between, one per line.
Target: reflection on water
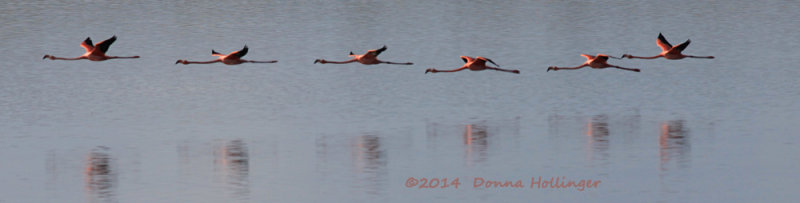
598 138
53 114
673 144
234 160
369 162
100 175
475 139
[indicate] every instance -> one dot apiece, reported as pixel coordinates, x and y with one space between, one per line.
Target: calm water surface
146 130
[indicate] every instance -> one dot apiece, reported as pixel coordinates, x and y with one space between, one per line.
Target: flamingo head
431 70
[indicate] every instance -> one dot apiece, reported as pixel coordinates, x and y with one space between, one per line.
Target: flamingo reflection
99 174
673 143
367 154
475 139
598 133
234 159
369 160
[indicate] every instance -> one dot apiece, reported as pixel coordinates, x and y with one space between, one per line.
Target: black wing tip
379 51
242 52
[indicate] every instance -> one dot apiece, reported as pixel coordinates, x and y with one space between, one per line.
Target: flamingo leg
702 57
641 57
628 69
247 61
395 63
123 57
504 70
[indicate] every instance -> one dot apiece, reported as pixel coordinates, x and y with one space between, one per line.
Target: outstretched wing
683 45
467 59
663 43
103 46
377 52
486 59
588 57
240 53
215 53
601 58
87 44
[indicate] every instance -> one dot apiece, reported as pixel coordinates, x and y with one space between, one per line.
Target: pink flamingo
369 58
231 59
94 52
598 62
474 64
668 51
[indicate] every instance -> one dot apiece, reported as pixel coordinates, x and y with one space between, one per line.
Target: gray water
147 130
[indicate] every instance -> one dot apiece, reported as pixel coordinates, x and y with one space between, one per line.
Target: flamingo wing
103 46
663 43
215 53
489 60
87 44
683 45
601 58
467 59
588 57
377 51
240 53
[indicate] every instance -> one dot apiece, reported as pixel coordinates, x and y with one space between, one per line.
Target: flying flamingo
94 52
231 59
668 51
369 58
474 64
598 62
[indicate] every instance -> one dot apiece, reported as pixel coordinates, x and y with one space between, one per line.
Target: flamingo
94 52
233 58
369 58
668 51
598 62
474 64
